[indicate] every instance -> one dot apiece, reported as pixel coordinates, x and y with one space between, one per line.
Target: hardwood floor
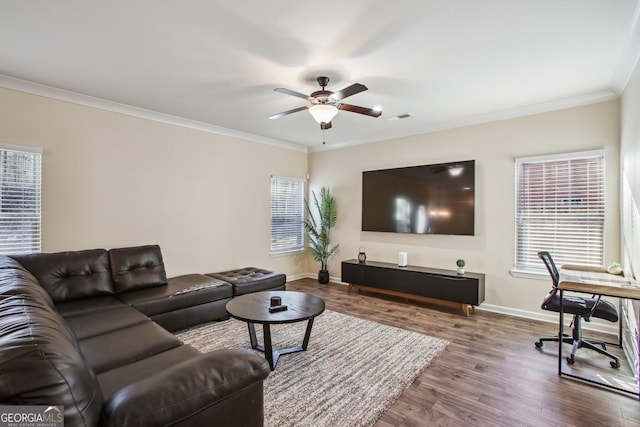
491 373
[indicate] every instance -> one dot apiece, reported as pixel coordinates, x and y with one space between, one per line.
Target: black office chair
581 308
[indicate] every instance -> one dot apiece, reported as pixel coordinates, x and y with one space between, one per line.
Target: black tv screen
428 199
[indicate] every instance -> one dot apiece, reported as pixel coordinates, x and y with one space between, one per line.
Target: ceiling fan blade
291 92
285 113
325 126
360 110
348 91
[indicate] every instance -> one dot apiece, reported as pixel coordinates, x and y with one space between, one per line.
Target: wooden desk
590 280
597 281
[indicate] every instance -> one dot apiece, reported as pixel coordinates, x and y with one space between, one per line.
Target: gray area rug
352 371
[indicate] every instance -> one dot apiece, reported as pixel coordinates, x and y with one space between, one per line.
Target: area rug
351 373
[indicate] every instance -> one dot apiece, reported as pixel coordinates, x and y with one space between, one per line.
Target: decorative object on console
362 256
614 268
319 231
460 263
402 259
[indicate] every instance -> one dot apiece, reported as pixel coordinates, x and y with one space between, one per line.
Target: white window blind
20 200
560 209
287 213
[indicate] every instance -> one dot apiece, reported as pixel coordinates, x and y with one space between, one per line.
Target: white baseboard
542 316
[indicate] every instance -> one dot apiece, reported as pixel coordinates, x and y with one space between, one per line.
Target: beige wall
113 180
630 164
494 147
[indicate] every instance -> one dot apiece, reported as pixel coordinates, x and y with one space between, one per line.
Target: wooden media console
417 283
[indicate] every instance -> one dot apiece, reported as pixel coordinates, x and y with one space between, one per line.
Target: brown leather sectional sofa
89 331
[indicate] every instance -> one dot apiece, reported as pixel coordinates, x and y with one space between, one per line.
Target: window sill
286 253
527 274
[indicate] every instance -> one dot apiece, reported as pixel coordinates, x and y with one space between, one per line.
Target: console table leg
465 310
349 289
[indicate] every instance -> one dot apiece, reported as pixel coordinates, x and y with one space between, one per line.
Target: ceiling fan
325 104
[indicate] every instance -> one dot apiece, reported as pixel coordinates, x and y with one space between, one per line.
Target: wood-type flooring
491 374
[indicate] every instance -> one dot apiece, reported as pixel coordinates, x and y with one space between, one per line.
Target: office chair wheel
538 344
615 364
571 360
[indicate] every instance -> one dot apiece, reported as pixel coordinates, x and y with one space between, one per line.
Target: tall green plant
319 230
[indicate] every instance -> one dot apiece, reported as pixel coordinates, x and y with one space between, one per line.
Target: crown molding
20 85
512 113
102 104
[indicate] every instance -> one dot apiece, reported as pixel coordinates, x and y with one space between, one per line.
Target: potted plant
614 268
319 230
460 263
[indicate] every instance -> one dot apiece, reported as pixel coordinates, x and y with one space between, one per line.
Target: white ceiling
216 63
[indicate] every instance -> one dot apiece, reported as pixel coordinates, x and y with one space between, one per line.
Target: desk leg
620 302
560 332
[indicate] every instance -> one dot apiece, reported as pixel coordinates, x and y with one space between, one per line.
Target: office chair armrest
587 317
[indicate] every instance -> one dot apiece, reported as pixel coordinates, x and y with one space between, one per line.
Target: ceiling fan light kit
323 113
325 104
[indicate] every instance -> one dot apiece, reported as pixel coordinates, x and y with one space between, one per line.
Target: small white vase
461 270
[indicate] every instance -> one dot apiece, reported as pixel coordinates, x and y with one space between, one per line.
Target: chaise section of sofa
176 303
107 362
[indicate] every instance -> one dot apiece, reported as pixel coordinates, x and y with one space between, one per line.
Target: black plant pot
323 276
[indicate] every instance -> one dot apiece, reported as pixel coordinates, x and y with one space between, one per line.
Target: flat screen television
427 199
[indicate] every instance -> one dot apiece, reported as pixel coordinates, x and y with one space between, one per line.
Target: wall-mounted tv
427 199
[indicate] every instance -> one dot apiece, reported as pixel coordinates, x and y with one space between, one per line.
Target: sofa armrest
185 390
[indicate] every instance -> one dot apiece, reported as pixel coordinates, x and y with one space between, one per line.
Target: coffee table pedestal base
270 354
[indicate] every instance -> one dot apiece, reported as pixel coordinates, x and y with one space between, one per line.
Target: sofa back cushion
137 268
70 275
40 365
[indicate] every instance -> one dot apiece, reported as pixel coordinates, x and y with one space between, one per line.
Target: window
560 209
20 200
287 213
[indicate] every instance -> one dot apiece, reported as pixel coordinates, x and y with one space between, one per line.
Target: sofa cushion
117 378
40 365
70 275
192 388
181 292
97 322
137 268
123 346
251 279
76 307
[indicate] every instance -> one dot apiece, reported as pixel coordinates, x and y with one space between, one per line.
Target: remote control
278 308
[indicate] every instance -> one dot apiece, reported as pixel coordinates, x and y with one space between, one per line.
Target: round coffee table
254 308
